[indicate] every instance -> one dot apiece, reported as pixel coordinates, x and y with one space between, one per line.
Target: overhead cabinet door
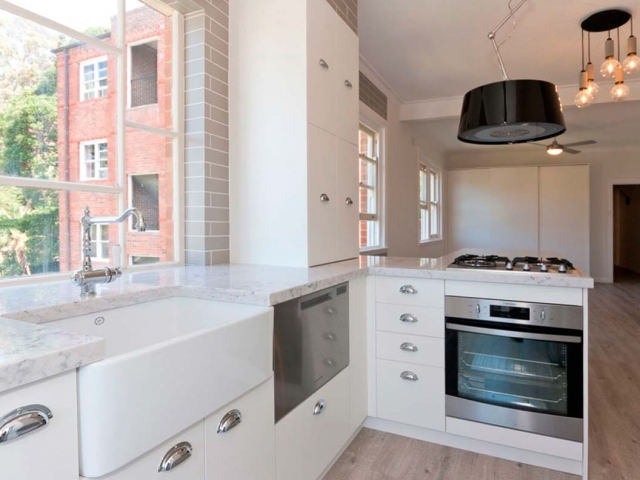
469 208
322 66
347 84
347 216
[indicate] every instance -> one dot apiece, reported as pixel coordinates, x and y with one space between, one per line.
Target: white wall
608 166
402 144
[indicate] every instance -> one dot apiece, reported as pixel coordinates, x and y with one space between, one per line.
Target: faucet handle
117 256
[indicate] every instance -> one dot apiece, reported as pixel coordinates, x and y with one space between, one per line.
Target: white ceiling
612 125
427 49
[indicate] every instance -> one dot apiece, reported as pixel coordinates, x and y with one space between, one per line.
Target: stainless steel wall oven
516 365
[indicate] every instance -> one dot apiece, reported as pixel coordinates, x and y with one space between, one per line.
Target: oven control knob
543 315
562 268
526 267
509 266
544 268
478 308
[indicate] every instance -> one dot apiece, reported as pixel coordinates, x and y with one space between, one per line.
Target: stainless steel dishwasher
310 346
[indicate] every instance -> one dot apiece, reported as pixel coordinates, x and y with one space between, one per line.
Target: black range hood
511 111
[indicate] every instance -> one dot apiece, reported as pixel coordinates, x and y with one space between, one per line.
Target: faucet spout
87 220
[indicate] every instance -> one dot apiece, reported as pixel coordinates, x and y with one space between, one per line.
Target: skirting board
472 445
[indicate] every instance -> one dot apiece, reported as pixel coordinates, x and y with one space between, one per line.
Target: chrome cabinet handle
408 289
348 84
408 347
324 64
231 420
348 201
319 408
324 197
409 376
22 421
330 336
408 318
175 456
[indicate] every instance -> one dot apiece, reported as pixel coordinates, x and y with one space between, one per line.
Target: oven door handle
512 334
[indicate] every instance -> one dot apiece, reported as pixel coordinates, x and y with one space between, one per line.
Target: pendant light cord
588 44
618 29
583 64
492 35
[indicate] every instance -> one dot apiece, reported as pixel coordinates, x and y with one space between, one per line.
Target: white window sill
430 242
374 250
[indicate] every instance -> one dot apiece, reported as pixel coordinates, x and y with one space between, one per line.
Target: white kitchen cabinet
348 84
564 212
347 211
147 467
50 451
411 394
323 199
307 60
246 450
401 347
358 350
310 436
410 320
410 291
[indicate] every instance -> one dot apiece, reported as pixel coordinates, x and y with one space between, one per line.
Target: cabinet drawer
410 319
245 451
401 347
51 451
410 291
146 467
306 443
417 402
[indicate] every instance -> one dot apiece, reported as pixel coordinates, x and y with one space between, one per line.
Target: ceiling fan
556 149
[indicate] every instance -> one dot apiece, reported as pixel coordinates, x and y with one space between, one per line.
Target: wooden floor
614 322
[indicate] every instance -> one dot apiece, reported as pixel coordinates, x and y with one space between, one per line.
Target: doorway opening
626 231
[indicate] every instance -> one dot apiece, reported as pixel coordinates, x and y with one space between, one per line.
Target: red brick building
87 114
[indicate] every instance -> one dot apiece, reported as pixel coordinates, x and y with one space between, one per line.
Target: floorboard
614 430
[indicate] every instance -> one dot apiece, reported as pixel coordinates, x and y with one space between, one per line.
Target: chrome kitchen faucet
87 278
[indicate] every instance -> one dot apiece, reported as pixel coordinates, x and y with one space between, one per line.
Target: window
144 196
100 242
429 203
369 189
93 78
68 140
143 88
93 160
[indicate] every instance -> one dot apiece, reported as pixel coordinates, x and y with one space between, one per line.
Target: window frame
82 160
377 160
119 52
425 167
83 90
130 203
135 44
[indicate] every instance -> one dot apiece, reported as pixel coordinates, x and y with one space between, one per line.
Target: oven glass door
532 369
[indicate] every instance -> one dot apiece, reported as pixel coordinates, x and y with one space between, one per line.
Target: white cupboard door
358 350
322 67
310 436
347 214
513 213
50 451
322 196
243 450
348 88
564 213
469 208
411 394
187 467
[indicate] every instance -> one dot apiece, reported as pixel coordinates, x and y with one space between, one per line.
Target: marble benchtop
30 350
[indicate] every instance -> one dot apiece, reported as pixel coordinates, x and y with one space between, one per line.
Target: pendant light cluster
606 21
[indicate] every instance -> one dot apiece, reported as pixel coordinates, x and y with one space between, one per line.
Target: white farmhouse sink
169 363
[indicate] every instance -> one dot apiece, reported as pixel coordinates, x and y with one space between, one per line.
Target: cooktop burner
520 264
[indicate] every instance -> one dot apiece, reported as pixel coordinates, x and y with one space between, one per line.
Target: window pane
144 191
424 224
369 234
367 201
434 221
434 186
423 186
144 74
366 144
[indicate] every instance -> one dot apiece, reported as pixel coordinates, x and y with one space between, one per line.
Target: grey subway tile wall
348 11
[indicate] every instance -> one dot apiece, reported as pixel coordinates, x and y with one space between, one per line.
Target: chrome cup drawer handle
319 408
348 201
324 64
408 290
175 456
324 197
348 84
408 347
408 318
23 421
409 376
231 420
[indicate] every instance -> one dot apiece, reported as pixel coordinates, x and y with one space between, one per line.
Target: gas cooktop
516 264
